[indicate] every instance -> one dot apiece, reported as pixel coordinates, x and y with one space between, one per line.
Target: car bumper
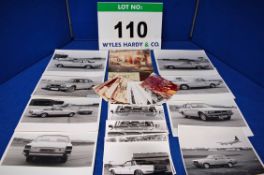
46 154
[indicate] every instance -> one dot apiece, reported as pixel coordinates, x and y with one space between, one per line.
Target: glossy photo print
218 150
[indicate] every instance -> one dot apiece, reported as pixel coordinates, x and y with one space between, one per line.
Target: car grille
219 112
47 150
54 85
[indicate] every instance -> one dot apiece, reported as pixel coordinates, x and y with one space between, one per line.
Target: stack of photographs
58 129
136 138
212 131
132 64
138 134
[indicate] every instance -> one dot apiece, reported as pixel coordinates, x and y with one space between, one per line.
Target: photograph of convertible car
218 150
77 61
50 149
206 113
61 110
135 112
137 158
68 86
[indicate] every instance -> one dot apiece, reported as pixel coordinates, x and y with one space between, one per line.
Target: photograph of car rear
51 150
218 150
183 62
67 61
44 113
219 112
135 112
68 86
200 87
137 158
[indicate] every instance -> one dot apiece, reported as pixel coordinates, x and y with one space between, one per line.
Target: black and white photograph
206 113
68 86
135 112
51 149
137 158
218 150
136 125
197 87
60 114
76 61
183 62
136 137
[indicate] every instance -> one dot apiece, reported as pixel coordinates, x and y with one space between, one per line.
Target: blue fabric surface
15 93
177 18
233 31
30 30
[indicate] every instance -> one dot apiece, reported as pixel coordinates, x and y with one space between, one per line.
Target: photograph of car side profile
68 86
206 113
83 61
182 61
136 125
135 112
137 158
136 137
61 110
199 85
50 149
218 150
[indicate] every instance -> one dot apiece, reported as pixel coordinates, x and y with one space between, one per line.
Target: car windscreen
52 139
200 106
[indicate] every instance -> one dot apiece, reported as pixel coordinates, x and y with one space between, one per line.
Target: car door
188 110
126 169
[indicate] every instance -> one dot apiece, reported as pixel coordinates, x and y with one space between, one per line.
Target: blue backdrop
30 30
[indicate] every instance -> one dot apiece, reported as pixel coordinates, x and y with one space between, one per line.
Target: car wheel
88 67
184 87
64 159
228 118
230 165
71 114
43 115
206 165
28 159
203 116
59 65
199 67
72 88
212 85
112 172
170 67
138 172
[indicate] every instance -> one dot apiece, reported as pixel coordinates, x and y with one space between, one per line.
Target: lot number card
129 25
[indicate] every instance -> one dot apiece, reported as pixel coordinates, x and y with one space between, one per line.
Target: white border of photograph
157 146
246 128
77 54
171 54
61 127
200 96
189 129
58 78
112 116
10 169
